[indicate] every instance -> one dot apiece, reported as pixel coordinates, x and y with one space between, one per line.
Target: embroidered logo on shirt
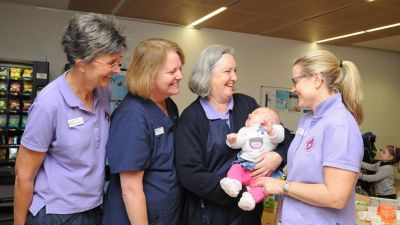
310 143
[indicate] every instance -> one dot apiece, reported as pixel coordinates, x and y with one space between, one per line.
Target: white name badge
75 122
159 131
300 131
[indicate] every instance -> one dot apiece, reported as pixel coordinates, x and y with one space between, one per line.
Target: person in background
324 157
144 188
61 160
262 133
384 172
202 157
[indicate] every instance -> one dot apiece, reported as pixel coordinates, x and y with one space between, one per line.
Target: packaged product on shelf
14 105
27 75
3 103
13 121
25 105
13 151
15 87
15 73
3 86
3 72
27 87
3 120
23 122
3 153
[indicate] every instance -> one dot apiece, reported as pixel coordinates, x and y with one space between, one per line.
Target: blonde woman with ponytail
324 158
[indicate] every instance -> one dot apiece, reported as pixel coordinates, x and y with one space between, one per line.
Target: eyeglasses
112 66
296 79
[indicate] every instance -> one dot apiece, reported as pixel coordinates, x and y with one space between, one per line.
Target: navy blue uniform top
141 139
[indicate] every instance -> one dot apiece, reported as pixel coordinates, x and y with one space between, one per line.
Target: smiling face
304 88
168 77
99 71
223 79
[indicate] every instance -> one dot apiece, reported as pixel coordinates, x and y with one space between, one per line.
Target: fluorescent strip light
339 37
204 18
358 33
384 27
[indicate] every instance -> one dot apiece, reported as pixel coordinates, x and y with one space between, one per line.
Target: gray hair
90 34
199 82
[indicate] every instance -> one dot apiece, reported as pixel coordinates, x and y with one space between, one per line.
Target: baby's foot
231 186
246 202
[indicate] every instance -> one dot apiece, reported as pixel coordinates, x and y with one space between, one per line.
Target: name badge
159 131
300 131
75 122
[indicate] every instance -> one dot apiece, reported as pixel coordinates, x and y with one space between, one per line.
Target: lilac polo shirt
330 137
71 178
213 114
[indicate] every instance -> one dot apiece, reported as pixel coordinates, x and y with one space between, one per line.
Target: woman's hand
270 185
266 164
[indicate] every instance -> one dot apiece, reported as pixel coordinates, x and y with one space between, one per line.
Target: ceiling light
204 18
358 33
339 37
384 27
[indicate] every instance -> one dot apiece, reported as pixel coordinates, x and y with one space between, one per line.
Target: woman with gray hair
60 164
202 157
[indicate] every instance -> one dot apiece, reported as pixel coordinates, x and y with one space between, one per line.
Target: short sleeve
40 126
342 148
128 147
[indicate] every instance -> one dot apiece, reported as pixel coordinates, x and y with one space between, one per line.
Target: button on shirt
330 137
71 179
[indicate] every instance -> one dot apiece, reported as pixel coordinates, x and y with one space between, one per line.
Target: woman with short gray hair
202 157
60 163
199 82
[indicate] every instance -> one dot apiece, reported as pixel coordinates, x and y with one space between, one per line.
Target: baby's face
256 117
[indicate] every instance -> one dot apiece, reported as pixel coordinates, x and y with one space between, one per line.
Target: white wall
29 33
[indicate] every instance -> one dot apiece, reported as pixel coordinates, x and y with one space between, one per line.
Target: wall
30 33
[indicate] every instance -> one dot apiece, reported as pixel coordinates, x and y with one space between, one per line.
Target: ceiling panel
304 20
98 6
145 9
308 31
303 9
259 25
351 15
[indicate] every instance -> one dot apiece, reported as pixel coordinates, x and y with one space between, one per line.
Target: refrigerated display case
20 82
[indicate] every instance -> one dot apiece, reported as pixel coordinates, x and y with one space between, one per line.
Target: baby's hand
231 138
267 125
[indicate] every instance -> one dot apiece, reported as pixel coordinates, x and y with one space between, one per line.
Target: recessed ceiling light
358 33
204 18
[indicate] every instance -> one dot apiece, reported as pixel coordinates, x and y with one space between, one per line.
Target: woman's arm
26 168
333 193
134 197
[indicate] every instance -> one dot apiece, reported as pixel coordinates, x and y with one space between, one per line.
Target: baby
262 133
